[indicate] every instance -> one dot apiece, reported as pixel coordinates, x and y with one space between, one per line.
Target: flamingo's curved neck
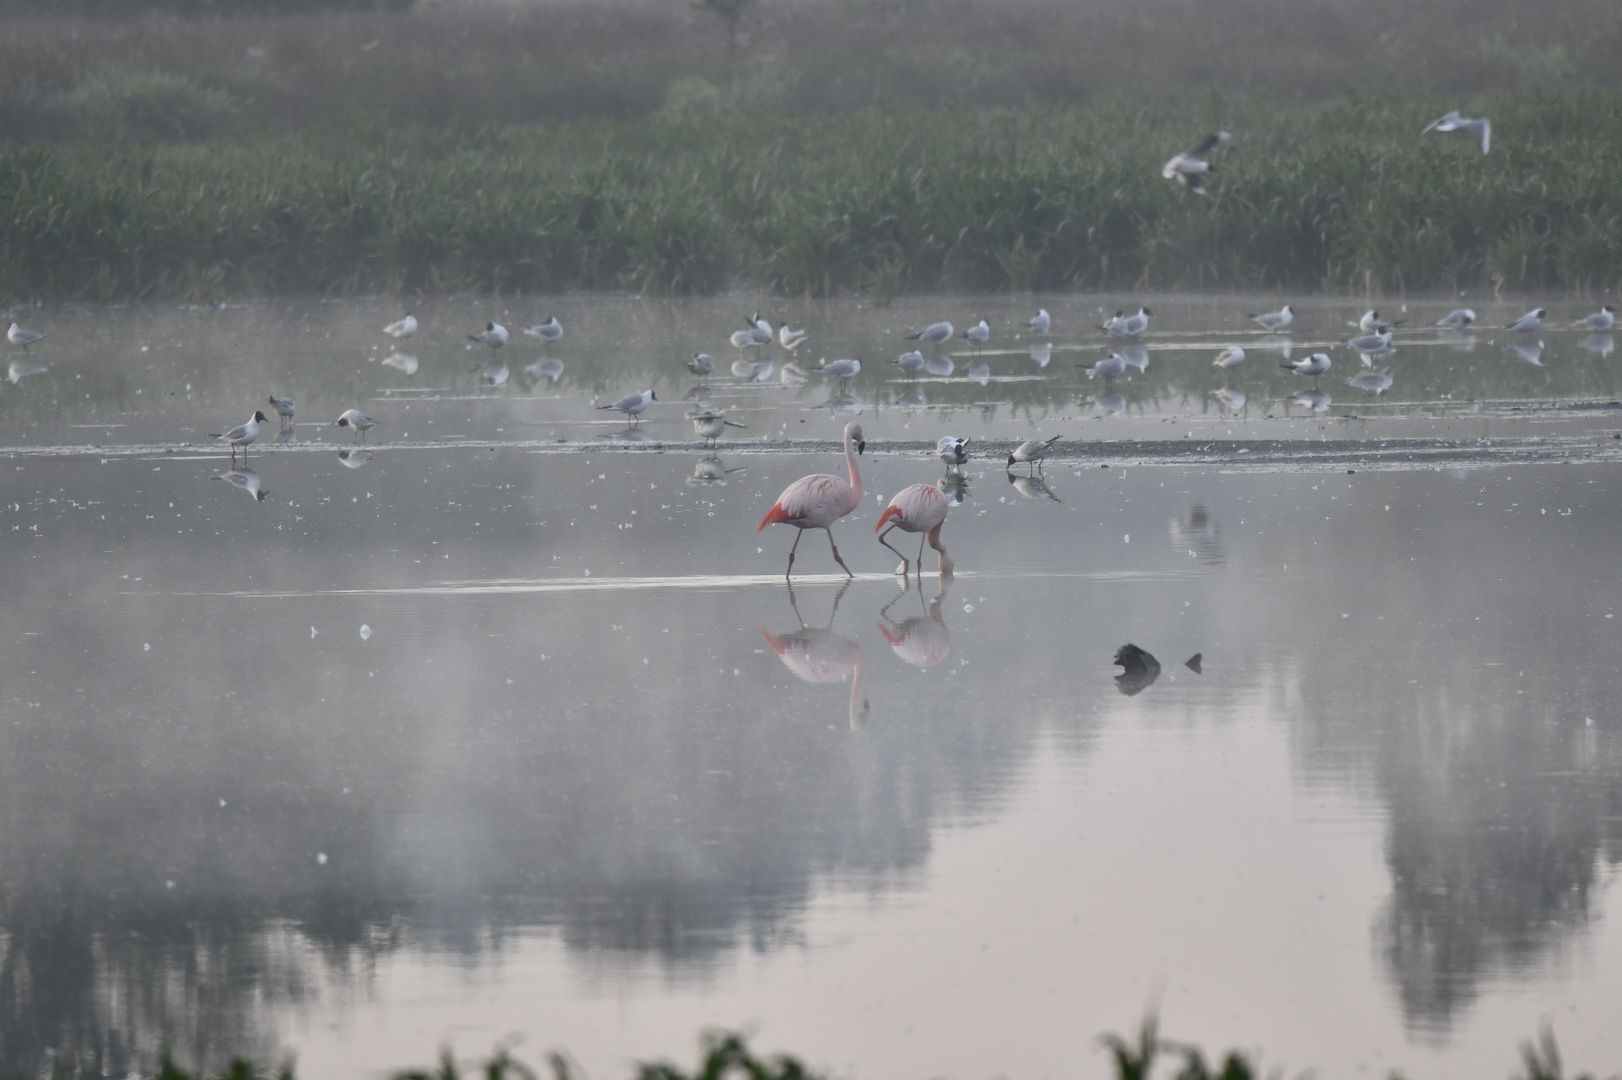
858 715
855 473
934 538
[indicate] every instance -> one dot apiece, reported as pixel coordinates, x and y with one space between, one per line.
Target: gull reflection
794 375
921 640
286 436
1598 344
1042 353
940 365
548 369
1141 669
1135 355
754 370
1032 487
1110 403
912 401
843 405
1530 351
1458 340
818 655
492 372
1279 343
1231 397
702 396
1316 400
711 471
955 486
980 373
244 479
21 369
630 436
1199 535
405 362
1377 381
355 456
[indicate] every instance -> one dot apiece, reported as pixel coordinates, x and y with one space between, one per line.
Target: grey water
496 731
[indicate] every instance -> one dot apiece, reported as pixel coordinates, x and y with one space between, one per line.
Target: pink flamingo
819 500
917 509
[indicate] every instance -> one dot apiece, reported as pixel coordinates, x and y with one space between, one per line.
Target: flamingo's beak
861 446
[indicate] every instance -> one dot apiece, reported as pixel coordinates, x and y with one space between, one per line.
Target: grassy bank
725 1055
572 59
1340 196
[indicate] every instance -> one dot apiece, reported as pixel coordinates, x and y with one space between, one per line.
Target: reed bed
1342 196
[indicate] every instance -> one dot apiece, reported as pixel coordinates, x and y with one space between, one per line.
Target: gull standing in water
842 369
920 508
1314 365
1107 367
933 334
978 334
1031 452
910 362
1603 319
701 363
549 331
242 435
792 339
632 405
710 426
494 335
1231 357
1274 320
1371 323
284 408
18 336
1528 323
1481 129
819 500
356 421
1129 326
1457 319
1190 167
1372 343
1112 325
406 327
1041 322
953 450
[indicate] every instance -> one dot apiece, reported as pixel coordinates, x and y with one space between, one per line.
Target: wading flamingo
819 500
920 508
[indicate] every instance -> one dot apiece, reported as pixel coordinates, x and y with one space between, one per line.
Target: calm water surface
593 778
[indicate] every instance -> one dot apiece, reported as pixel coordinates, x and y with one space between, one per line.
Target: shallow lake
505 730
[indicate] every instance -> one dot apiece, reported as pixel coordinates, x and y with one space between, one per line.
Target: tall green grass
1346 196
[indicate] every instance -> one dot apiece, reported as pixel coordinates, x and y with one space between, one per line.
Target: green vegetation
1341 196
726 1055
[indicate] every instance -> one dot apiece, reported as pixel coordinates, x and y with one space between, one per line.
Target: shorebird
406 327
1481 129
1231 357
1528 323
1190 167
493 335
1603 319
242 435
1031 452
356 421
792 339
1314 365
920 508
632 405
934 333
1274 320
18 336
819 500
284 408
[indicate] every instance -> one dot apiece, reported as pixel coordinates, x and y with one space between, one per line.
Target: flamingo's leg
921 540
835 548
797 534
887 544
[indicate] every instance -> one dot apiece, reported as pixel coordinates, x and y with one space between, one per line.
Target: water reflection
245 479
955 486
818 655
912 401
1042 353
711 471
920 640
1110 403
1373 382
1199 535
1529 351
549 369
401 361
1600 345
1232 398
353 457
493 372
1139 670
940 365
1031 486
1317 401
19 370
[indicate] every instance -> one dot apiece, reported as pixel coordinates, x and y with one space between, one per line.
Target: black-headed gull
406 327
910 362
1313 366
1189 167
1528 323
1230 357
1041 322
549 331
242 435
1106 367
1481 129
1603 319
1457 319
1031 452
18 336
632 405
978 334
355 421
1377 342
1274 320
493 335
284 408
953 450
1371 323
701 363
934 333
1129 326
842 369
792 339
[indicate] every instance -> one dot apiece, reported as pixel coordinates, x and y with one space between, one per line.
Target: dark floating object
1142 669
1193 663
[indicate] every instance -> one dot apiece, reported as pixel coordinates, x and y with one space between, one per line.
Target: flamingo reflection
818 655
921 640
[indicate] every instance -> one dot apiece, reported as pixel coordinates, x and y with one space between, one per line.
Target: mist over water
510 729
